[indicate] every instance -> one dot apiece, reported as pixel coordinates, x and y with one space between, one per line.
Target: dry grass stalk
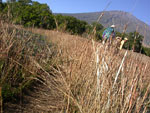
81 62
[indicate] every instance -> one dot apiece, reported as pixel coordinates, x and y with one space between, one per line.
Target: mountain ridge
119 18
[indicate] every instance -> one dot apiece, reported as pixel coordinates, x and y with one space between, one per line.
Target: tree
97 25
25 1
134 42
70 24
118 34
98 30
35 14
146 51
11 1
60 22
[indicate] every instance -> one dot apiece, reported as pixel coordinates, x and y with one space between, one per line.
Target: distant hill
119 18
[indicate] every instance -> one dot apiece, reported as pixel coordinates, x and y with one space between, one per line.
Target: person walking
108 34
123 42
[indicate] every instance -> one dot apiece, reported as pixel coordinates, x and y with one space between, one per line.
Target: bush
98 30
30 14
70 24
134 42
146 51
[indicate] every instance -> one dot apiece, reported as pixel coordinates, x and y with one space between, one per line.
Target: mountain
119 18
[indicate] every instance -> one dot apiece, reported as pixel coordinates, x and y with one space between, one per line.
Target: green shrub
70 24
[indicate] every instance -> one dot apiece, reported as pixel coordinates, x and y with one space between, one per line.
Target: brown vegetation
69 83
78 75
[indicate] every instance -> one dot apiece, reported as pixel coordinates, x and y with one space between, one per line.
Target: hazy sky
139 8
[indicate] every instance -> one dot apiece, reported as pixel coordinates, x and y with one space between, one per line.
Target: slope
73 84
119 18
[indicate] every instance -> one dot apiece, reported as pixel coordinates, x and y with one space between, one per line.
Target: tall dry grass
77 75
26 60
97 78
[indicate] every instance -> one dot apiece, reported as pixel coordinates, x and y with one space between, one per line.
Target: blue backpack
108 32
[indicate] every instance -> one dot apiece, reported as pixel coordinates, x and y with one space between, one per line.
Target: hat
113 26
125 38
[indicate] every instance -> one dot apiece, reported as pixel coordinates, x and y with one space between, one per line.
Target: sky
139 8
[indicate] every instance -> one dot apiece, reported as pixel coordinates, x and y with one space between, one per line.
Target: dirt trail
41 99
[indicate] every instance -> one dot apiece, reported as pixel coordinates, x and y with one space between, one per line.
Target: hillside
66 69
119 18
78 73
48 66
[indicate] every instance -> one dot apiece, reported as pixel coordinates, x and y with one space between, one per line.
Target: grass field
76 75
121 88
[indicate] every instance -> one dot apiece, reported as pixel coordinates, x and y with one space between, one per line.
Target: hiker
119 42
108 34
122 43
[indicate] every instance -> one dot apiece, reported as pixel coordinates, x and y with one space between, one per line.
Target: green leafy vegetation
33 14
98 30
70 24
146 51
30 14
134 42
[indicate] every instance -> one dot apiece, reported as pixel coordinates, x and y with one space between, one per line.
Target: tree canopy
134 42
34 14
